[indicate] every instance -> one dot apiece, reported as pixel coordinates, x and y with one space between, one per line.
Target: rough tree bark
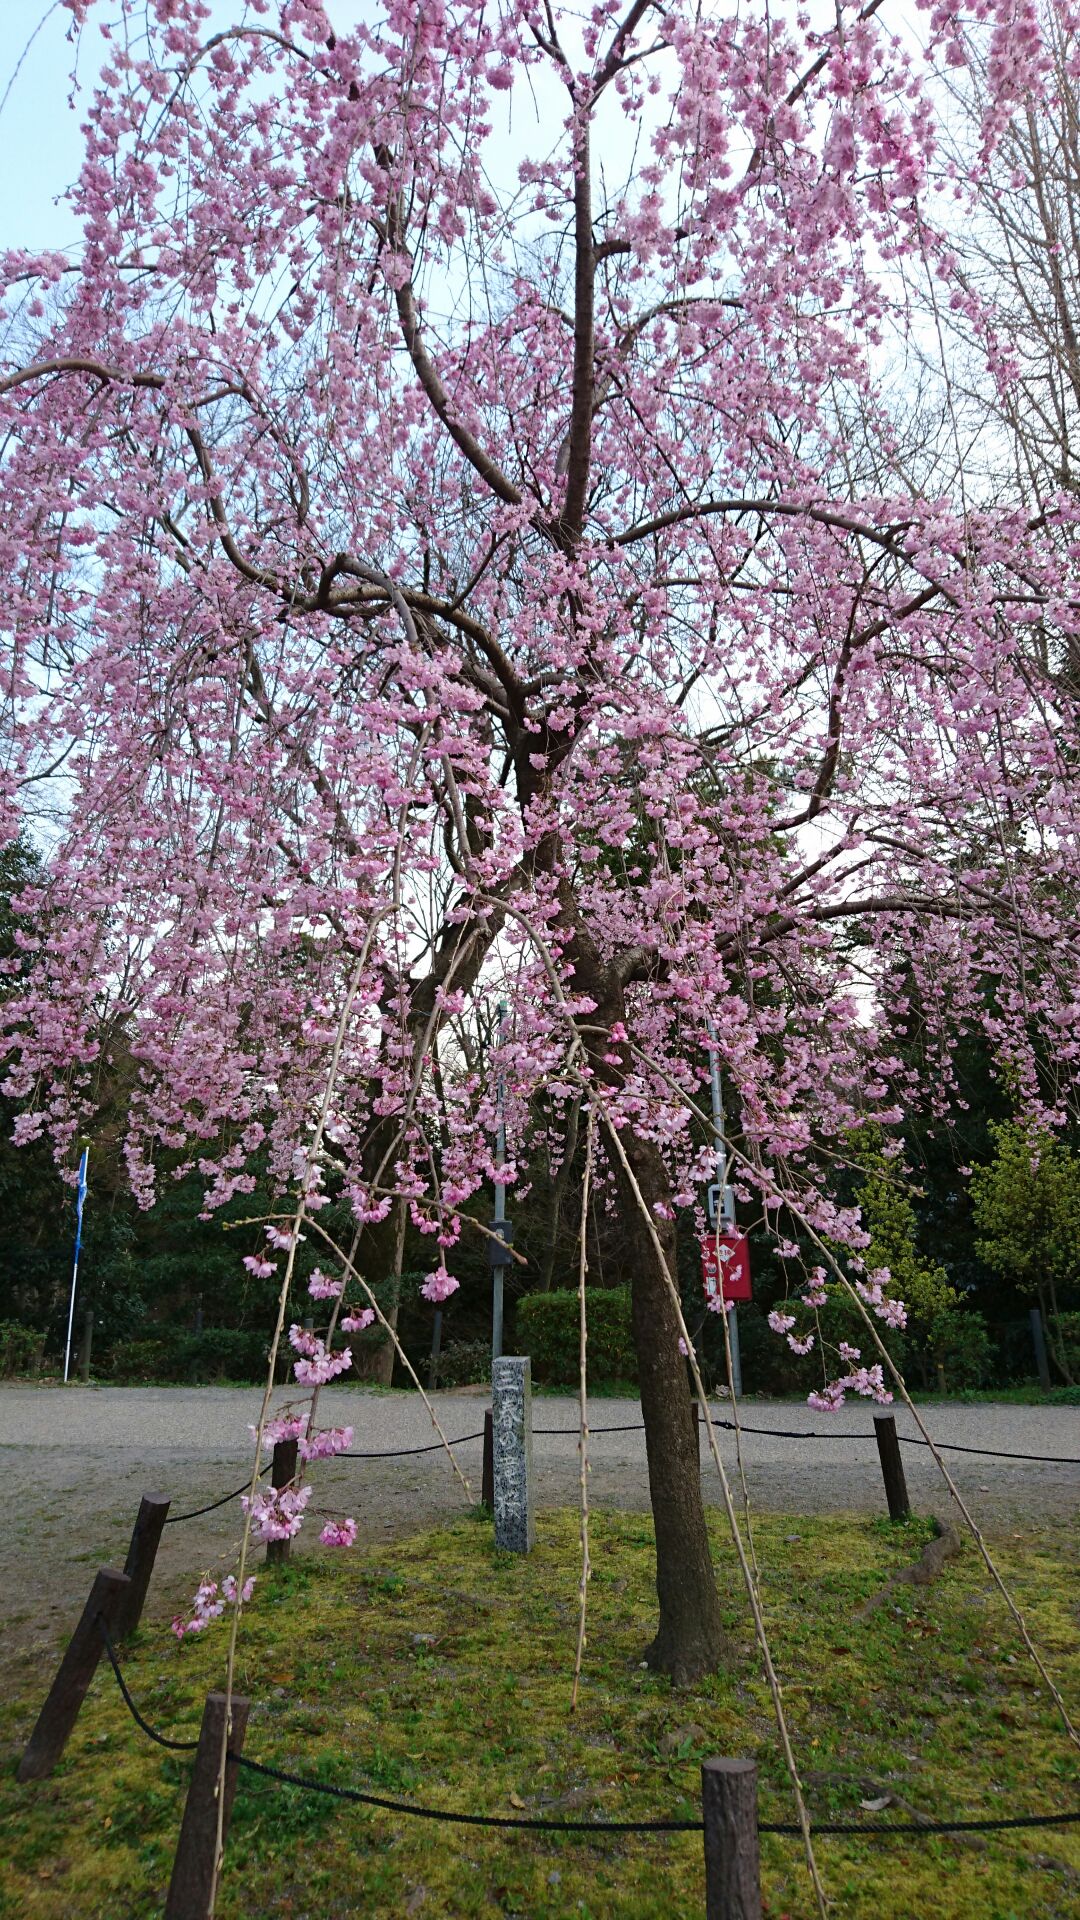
690 1638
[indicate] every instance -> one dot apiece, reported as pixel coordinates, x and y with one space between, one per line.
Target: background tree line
976 1216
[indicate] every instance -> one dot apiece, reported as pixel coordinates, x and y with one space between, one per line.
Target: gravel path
77 1460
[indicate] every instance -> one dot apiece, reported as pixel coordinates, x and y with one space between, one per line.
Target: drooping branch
579 456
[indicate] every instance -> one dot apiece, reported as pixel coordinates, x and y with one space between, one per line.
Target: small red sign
731 1258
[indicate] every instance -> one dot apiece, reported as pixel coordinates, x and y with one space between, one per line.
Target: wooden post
282 1472
487 1474
139 1565
73 1677
732 1854
87 1345
192 1884
892 1467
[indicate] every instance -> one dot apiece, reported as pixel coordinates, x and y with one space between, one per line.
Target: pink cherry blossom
210 1602
448 561
324 1444
357 1322
339 1533
438 1286
277 1512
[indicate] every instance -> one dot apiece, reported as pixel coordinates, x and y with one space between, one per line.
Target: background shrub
463 1363
547 1325
20 1349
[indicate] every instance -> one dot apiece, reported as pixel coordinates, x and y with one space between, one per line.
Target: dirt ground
77 1460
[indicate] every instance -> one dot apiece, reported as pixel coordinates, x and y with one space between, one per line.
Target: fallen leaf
876 1806
515 1801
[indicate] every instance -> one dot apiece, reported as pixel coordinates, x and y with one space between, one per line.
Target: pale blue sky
40 143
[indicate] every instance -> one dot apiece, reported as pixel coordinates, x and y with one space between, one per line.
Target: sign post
80 1202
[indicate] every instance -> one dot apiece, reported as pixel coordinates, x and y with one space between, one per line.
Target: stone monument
511 1424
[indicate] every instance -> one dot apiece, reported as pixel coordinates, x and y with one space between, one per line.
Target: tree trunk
690 1639
558 1194
1057 1342
378 1259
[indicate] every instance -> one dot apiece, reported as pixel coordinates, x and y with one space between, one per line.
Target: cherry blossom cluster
609 644
210 1602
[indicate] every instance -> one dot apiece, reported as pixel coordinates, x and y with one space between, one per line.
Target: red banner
731 1259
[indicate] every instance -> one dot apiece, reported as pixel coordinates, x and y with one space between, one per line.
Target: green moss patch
438 1670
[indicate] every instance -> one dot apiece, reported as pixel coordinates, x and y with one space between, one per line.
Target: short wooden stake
732 1854
73 1676
192 1884
892 1467
487 1473
139 1565
282 1474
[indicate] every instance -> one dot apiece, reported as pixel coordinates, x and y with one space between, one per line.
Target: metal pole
79 1204
736 1356
436 1349
500 1213
722 1202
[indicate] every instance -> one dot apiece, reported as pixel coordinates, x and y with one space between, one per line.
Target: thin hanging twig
354 1273
583 1437
973 1528
736 1422
283 1300
583 1076
747 1572
950 1483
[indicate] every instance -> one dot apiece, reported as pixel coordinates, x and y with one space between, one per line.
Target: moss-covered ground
439 1671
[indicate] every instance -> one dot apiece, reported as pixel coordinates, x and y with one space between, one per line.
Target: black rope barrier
404 1453
989 1453
538 1824
637 1426
173 1519
159 1739
574 1433
816 1433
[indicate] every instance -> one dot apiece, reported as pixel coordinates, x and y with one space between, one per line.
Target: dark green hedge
189 1359
547 1330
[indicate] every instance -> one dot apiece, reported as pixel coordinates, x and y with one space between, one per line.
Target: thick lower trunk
379 1260
558 1194
690 1638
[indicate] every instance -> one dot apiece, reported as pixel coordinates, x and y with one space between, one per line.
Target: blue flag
80 1199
